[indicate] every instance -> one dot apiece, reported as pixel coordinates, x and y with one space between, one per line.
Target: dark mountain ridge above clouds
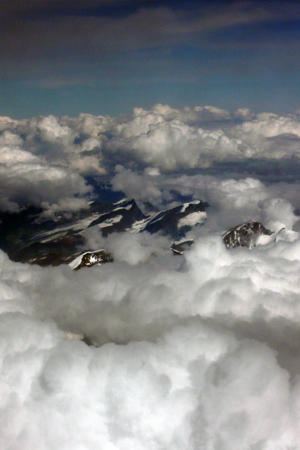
30 237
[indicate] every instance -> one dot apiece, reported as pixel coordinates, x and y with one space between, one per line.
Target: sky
106 57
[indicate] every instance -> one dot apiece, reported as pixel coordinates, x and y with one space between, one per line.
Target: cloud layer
194 351
201 352
164 137
43 159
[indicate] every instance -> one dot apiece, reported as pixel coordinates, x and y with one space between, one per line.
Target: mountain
177 221
89 259
30 236
245 235
122 217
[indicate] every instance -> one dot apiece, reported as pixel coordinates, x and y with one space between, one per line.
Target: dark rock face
245 235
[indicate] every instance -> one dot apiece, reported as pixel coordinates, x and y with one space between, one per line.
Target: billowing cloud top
44 159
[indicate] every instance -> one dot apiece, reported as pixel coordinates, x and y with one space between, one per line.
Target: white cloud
51 131
244 114
140 187
269 136
171 144
26 180
278 213
133 248
11 157
163 137
195 351
211 352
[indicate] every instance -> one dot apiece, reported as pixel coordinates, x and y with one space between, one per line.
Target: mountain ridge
31 237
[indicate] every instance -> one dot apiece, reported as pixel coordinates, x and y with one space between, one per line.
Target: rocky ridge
31 237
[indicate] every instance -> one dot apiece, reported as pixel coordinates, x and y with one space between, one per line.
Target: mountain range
30 236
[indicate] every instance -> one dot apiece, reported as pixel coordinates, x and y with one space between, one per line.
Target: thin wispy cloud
97 36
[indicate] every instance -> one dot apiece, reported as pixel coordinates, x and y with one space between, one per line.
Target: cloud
194 350
40 185
270 136
140 187
133 248
278 213
172 140
234 200
164 137
140 149
171 144
27 179
111 29
201 351
167 138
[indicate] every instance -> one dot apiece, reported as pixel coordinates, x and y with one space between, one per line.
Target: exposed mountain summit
89 259
245 234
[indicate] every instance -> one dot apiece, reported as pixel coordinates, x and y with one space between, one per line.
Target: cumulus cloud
163 137
200 351
171 139
133 248
278 213
28 179
144 187
270 136
139 149
40 185
194 351
233 201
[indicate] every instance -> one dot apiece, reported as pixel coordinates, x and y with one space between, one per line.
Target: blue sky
106 57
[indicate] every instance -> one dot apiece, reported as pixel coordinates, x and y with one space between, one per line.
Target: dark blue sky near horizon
106 57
